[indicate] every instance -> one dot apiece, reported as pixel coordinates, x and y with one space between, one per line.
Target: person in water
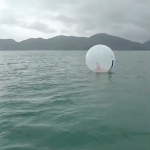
98 68
112 63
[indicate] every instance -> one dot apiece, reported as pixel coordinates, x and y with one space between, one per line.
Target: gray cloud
9 18
65 19
125 18
116 17
39 27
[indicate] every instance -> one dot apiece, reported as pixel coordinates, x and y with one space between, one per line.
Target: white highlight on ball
100 58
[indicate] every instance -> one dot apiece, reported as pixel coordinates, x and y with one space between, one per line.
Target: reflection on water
105 77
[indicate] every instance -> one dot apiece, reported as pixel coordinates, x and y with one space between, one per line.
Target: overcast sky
22 19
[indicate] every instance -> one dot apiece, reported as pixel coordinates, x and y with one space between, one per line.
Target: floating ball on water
100 58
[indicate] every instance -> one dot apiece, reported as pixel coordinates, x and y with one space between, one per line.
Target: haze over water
49 100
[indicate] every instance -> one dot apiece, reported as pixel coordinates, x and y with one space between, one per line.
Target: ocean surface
49 100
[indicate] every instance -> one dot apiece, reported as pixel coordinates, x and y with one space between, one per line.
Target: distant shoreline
71 43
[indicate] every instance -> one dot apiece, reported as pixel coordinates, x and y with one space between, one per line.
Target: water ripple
50 100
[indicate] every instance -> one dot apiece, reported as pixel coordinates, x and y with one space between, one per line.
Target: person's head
97 63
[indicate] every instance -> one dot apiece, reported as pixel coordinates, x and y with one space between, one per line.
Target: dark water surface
49 100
